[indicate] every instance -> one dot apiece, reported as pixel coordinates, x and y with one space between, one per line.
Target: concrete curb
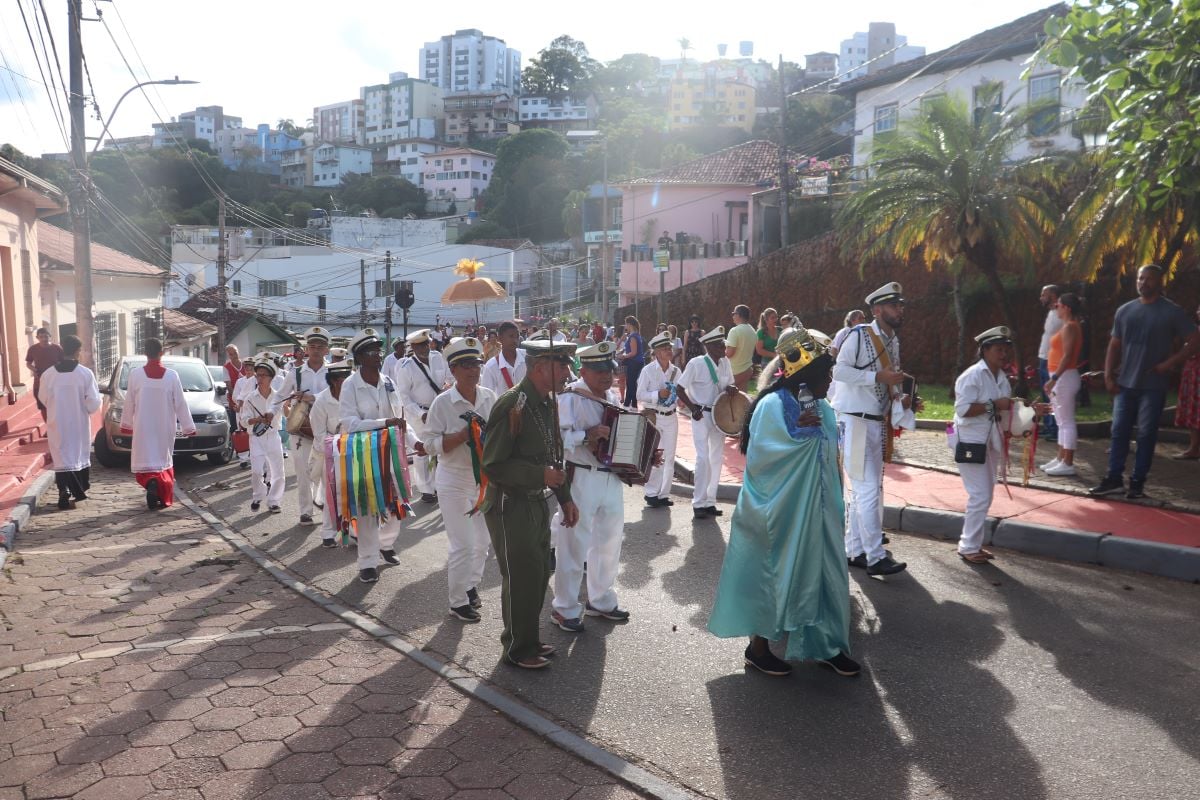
18 518
1085 547
465 682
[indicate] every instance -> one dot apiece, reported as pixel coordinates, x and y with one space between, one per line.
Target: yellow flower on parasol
472 289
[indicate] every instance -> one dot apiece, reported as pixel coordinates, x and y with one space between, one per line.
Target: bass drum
729 412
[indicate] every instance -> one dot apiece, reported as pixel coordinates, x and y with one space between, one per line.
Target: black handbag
966 453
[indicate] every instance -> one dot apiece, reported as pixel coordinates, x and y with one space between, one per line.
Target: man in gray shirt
1136 370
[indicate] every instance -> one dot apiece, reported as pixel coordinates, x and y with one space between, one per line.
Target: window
987 101
237 286
1044 94
886 118
272 288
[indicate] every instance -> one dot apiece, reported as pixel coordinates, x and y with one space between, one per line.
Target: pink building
457 174
708 201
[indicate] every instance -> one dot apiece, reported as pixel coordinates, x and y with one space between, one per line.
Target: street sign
639 248
662 261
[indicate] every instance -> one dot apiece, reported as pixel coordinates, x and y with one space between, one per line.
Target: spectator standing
633 358
692 346
492 346
768 335
598 332
853 319
1187 413
739 347
676 346
1063 385
70 396
41 356
1136 367
1049 300
556 335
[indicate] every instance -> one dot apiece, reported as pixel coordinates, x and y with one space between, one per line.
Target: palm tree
685 44
944 186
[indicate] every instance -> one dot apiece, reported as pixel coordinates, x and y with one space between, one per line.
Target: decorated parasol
472 288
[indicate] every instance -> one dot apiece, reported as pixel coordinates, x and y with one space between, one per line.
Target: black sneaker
306 519
617 614
653 502
1137 490
256 505
859 561
389 556
886 566
465 613
713 511
473 598
426 497
700 513
245 465
329 543
1107 486
275 510
64 500
568 624
368 575
842 664
768 664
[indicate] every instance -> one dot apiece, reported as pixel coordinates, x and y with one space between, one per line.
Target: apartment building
340 123
390 110
469 61
709 102
483 115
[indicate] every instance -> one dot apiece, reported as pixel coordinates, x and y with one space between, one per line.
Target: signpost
662 265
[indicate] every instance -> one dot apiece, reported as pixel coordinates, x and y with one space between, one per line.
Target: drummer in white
304 382
596 539
324 421
420 378
656 392
702 382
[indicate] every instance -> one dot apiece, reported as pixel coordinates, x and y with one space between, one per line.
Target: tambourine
260 428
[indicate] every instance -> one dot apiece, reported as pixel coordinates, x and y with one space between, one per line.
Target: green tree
378 193
572 214
626 74
819 125
529 184
944 187
564 69
1142 59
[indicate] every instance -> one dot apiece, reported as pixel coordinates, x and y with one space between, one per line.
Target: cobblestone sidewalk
141 656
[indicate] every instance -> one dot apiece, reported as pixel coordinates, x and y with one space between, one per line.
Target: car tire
220 457
104 455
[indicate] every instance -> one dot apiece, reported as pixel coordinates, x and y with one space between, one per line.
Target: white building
566 115
391 109
878 48
298 284
457 174
230 142
404 158
468 61
340 123
332 162
987 71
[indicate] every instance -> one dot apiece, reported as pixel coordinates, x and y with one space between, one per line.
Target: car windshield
194 376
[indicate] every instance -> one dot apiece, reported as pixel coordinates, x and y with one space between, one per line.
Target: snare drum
729 412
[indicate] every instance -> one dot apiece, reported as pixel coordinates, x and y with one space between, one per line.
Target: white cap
717 334
597 356
365 340
463 348
316 333
418 337
1000 333
888 293
661 340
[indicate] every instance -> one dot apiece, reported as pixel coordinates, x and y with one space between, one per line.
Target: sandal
1185 456
982 557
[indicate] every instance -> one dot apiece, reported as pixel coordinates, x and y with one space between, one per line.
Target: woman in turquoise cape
784 574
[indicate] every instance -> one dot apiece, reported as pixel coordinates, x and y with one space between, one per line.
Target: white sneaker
1049 465
1061 470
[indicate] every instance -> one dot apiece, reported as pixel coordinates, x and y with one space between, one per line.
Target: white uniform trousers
316 478
302 449
980 481
864 507
595 540
709 441
419 473
659 483
266 455
467 537
374 536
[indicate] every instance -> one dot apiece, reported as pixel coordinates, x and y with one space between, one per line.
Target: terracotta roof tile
58 245
179 325
753 163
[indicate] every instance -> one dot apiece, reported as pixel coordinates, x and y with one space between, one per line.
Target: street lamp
81 227
176 81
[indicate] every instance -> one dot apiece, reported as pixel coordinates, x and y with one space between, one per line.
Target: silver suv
203 396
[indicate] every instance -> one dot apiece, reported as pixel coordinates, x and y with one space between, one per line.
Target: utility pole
362 290
604 247
222 262
784 211
387 318
80 191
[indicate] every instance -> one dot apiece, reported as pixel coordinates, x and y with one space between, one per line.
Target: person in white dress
595 540
370 401
420 378
262 415
656 392
702 382
69 392
304 382
981 392
506 369
154 414
448 436
324 421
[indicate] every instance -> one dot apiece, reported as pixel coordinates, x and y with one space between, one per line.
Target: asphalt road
1028 678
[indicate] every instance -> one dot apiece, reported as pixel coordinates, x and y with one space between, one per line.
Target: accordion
629 449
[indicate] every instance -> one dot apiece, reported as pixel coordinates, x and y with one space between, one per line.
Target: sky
265 60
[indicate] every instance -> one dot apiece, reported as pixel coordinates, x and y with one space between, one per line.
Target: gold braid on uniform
514 413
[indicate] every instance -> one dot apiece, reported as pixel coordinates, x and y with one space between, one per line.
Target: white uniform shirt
325 416
652 380
415 390
445 416
70 399
493 378
364 407
697 380
576 415
855 370
1051 326
255 405
312 381
977 384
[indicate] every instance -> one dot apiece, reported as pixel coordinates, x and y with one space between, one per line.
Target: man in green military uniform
522 457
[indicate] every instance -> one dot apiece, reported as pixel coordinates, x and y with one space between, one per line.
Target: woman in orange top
1063 386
